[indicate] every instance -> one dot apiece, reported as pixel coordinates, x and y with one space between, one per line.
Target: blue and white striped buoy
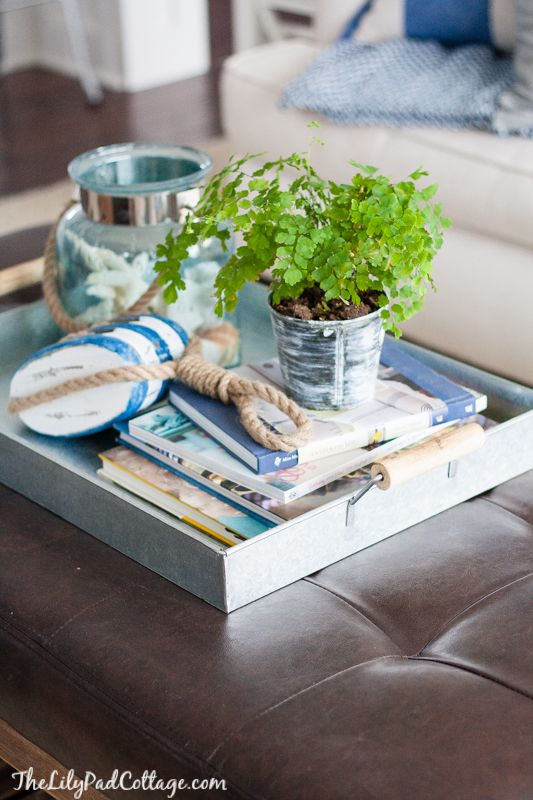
143 339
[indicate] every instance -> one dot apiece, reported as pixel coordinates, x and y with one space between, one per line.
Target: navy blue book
460 402
410 397
222 422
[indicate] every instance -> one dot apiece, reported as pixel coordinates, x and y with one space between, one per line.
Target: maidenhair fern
368 235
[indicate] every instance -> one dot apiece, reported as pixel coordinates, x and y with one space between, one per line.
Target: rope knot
225 388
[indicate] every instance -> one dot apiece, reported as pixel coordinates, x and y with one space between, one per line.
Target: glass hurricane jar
131 196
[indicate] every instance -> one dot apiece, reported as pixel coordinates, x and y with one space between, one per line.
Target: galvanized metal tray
61 475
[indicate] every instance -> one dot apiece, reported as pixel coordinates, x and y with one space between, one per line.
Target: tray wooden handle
407 464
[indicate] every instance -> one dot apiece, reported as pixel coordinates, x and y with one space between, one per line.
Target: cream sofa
483 310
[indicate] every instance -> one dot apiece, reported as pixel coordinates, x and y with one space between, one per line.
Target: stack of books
192 457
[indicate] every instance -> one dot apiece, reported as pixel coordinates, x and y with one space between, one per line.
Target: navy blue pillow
451 22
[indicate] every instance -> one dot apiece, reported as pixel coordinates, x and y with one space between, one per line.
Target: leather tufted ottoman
401 673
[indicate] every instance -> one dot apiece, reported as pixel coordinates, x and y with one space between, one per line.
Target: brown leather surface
402 673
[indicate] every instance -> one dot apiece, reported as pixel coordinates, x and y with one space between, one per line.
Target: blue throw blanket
403 82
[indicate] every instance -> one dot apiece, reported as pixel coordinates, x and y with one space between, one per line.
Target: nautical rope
201 375
205 378
50 291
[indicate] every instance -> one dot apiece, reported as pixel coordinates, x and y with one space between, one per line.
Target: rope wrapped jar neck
50 289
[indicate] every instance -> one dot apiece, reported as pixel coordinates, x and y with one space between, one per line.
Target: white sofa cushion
331 17
486 182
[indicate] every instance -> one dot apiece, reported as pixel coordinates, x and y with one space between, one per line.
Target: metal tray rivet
453 466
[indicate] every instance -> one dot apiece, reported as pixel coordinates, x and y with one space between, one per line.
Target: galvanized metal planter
330 364
61 475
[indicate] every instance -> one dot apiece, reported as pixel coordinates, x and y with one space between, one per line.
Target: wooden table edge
21 754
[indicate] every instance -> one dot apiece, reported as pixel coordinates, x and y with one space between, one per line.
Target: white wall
134 44
163 40
19 39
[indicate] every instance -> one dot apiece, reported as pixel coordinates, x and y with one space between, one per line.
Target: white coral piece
111 277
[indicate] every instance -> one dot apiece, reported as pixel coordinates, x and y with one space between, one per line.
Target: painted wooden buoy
140 340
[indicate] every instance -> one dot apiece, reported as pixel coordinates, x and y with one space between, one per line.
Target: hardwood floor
44 122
